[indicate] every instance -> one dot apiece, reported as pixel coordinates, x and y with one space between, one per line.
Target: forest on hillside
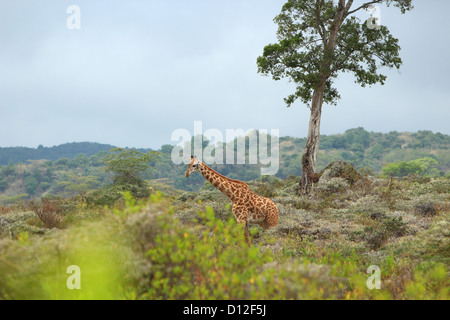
66 150
77 168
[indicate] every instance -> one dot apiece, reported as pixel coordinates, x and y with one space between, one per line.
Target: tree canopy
420 167
303 53
318 39
129 167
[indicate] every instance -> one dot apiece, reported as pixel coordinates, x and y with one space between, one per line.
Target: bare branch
319 23
364 6
347 7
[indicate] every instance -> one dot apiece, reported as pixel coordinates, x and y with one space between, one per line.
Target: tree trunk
309 159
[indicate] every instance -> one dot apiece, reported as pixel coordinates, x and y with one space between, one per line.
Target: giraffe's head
193 166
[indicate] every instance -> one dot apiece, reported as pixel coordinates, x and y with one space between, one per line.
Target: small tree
75 184
318 39
420 167
129 167
31 184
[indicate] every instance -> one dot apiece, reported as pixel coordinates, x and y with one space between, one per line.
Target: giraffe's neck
231 188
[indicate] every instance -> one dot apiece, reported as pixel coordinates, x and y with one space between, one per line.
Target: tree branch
319 23
338 65
364 6
347 7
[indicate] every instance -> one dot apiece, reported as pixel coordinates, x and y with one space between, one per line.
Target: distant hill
368 149
67 150
71 168
362 148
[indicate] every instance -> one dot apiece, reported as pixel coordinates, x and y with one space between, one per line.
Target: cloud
138 70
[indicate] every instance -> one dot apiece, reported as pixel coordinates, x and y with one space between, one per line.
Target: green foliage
211 263
377 236
431 284
3 184
155 257
427 139
304 56
74 184
31 184
100 257
129 167
421 167
434 243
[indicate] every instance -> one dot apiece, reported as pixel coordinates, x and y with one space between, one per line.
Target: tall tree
318 39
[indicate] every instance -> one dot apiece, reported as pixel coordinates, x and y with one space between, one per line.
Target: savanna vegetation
134 237
78 173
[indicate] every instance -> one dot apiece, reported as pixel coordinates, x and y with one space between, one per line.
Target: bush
426 209
36 268
3 184
334 185
129 167
421 167
377 236
211 261
31 184
431 284
433 244
144 250
49 212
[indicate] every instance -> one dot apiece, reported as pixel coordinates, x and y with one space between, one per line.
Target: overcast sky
138 70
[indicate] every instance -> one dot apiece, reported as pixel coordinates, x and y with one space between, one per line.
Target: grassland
186 245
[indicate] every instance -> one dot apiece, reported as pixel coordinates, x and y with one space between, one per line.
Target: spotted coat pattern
248 207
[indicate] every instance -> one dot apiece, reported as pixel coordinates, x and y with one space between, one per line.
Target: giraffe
248 207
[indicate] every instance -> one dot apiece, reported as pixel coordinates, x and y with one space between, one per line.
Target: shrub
421 167
148 250
334 185
377 236
3 184
211 261
340 169
186 196
142 251
431 283
426 209
128 167
15 223
36 268
31 184
433 244
49 212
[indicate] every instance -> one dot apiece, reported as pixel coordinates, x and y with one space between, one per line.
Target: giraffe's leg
241 213
247 234
264 224
272 215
